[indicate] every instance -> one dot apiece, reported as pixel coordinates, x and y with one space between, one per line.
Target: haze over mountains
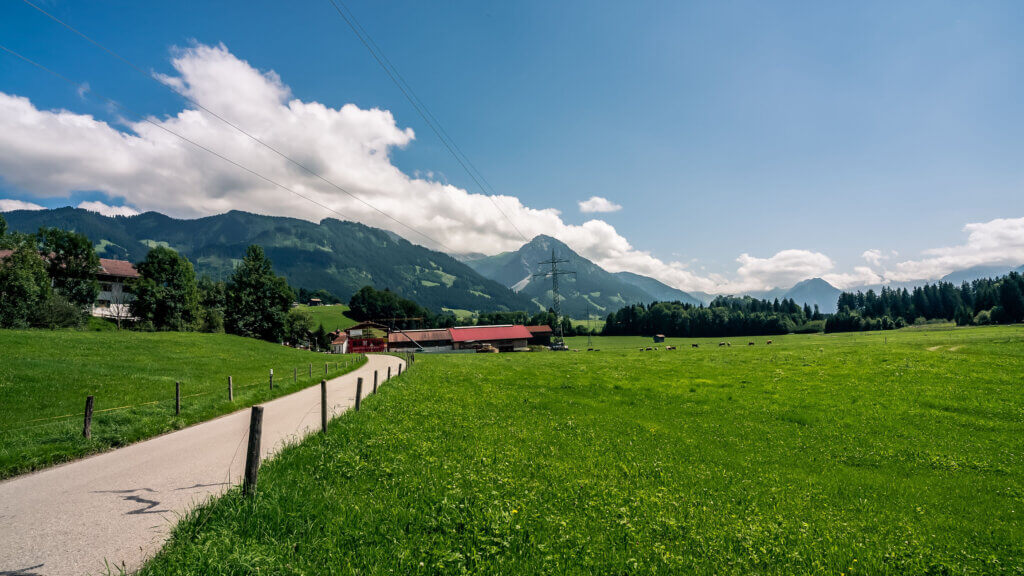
341 257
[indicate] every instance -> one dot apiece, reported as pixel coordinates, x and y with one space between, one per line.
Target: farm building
430 340
339 344
659 338
539 335
113 299
506 338
367 337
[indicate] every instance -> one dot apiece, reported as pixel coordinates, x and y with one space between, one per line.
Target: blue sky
722 129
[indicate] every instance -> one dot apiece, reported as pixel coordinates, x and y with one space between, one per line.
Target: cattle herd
720 344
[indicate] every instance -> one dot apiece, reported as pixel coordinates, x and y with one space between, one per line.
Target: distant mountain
603 291
658 290
977 272
815 291
340 257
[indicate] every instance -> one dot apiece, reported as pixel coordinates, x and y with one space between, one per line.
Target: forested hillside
340 257
983 301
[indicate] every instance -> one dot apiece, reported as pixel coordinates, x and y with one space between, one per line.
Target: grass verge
45 377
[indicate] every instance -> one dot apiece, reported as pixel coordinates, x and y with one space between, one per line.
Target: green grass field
897 453
331 317
45 377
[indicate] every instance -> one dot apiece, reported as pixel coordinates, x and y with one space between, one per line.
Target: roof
539 329
108 267
420 336
122 268
473 333
340 339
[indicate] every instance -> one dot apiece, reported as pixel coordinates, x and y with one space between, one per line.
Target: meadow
896 453
45 377
330 317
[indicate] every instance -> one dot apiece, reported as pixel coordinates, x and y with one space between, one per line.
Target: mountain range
586 286
342 257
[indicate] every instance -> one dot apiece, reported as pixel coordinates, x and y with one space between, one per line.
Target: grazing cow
768 342
694 345
720 344
670 347
750 343
649 348
729 344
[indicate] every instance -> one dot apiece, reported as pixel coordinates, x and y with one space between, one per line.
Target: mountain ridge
335 255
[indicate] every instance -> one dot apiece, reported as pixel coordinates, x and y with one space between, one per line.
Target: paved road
119 507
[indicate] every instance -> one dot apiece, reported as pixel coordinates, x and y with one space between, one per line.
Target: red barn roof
487 333
539 329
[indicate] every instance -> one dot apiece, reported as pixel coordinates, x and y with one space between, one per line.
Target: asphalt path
114 510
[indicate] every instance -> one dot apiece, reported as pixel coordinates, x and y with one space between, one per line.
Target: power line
117 104
421 108
233 125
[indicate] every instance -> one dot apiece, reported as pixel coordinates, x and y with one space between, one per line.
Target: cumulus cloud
54 153
992 243
108 210
599 204
783 269
7 205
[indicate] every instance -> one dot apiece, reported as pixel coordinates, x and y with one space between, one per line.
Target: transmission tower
554 273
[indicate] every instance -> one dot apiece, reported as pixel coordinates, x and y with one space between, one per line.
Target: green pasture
899 453
45 377
331 317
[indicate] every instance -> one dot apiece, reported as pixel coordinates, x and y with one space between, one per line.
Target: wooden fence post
323 406
374 381
177 398
310 369
271 378
325 368
231 389
389 373
252 455
295 375
399 368
87 428
359 391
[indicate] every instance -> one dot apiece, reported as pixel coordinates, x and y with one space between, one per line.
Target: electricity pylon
554 273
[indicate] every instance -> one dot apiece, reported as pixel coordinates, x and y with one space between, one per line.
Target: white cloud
873 256
7 205
782 270
996 242
51 154
108 210
861 275
598 204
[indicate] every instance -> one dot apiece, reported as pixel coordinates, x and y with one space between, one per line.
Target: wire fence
306 376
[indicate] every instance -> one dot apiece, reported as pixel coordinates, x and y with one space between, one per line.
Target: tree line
49 281
984 301
724 316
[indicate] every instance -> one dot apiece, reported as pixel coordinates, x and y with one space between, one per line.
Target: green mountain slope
340 257
658 290
603 291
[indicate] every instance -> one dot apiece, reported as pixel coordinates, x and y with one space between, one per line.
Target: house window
103 303
106 287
